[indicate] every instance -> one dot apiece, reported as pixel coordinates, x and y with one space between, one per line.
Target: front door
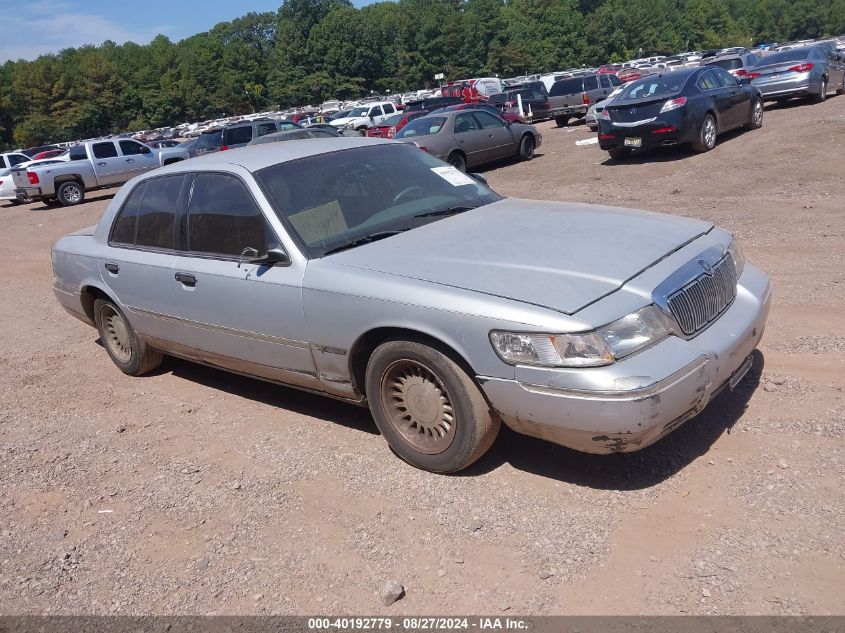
500 143
242 316
738 98
137 159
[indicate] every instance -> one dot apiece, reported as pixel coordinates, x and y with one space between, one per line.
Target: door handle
130 160
112 268
102 164
186 279
460 140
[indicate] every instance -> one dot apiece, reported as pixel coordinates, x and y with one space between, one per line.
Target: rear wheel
756 115
706 135
561 121
428 408
526 147
618 153
457 160
821 95
70 193
131 355
841 91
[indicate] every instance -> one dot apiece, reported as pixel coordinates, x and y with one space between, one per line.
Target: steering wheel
407 191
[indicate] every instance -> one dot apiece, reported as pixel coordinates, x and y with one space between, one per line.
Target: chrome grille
703 299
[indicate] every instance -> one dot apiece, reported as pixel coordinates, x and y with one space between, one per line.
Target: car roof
255 157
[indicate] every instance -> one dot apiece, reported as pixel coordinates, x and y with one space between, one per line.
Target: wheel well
531 134
89 295
364 347
69 178
459 152
170 161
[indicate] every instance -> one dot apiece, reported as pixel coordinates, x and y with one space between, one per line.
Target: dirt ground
193 491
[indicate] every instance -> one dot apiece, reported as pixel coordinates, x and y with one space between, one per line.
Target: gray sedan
810 71
371 271
469 138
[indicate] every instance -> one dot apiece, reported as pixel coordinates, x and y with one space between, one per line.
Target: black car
682 106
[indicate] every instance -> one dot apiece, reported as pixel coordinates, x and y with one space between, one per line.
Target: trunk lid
634 110
562 256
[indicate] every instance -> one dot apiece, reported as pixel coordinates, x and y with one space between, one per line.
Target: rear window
210 140
567 87
422 127
731 63
652 87
794 55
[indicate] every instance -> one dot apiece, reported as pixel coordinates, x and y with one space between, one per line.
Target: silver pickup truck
91 165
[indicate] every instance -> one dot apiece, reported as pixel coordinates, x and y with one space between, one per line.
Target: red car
628 75
389 127
49 154
609 69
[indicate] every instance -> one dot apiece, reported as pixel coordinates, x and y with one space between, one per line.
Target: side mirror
275 256
145 149
745 81
480 177
508 122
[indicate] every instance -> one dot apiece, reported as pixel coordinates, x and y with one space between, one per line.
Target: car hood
345 120
562 256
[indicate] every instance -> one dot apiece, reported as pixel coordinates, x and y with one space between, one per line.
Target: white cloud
47 26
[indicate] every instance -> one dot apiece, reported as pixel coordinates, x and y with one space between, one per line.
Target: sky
35 27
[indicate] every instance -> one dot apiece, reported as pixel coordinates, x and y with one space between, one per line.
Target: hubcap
758 113
709 133
72 194
117 334
418 406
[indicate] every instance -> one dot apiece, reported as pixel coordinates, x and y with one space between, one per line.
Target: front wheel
526 147
429 410
618 153
822 93
131 355
457 160
561 121
756 115
706 135
70 193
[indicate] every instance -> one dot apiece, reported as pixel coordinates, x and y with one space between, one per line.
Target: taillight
548 105
741 72
673 104
391 132
33 177
586 98
802 68
605 137
751 75
223 148
603 114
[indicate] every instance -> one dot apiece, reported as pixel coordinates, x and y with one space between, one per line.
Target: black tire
841 91
561 121
706 139
458 161
756 121
362 130
821 95
70 193
526 147
593 128
619 153
171 161
131 355
431 378
50 202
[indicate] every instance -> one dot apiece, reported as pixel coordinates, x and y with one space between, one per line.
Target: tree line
312 50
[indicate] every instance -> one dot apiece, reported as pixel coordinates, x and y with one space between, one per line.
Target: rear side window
223 218
210 140
591 83
149 214
707 81
265 128
238 135
104 150
567 87
732 63
16 159
77 152
605 81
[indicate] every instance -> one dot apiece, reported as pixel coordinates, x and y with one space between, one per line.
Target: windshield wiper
374 237
449 211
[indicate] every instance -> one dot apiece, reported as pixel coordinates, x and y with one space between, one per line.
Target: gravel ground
193 491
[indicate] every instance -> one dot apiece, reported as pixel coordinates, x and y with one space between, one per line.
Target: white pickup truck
91 165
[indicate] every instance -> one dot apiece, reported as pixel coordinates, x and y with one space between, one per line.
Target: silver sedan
468 138
371 271
812 71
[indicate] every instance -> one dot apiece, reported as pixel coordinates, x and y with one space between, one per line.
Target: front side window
605 81
328 201
105 150
388 108
129 148
726 80
488 120
223 218
465 122
376 111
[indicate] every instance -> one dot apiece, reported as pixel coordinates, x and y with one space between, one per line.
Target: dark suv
534 100
431 103
218 139
572 97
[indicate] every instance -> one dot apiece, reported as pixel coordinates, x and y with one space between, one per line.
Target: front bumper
638 400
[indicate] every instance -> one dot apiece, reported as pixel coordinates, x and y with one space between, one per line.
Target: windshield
330 200
796 54
422 127
655 86
362 111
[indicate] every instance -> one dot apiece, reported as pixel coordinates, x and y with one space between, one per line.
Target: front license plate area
739 374
633 142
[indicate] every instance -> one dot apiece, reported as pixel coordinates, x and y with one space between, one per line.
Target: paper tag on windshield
454 177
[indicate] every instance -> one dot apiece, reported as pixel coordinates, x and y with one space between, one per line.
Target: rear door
137 158
473 141
242 316
109 165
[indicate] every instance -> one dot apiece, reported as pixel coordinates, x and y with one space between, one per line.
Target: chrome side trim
633 123
279 340
325 349
618 395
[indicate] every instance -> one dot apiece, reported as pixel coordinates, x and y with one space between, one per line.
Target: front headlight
589 349
738 257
